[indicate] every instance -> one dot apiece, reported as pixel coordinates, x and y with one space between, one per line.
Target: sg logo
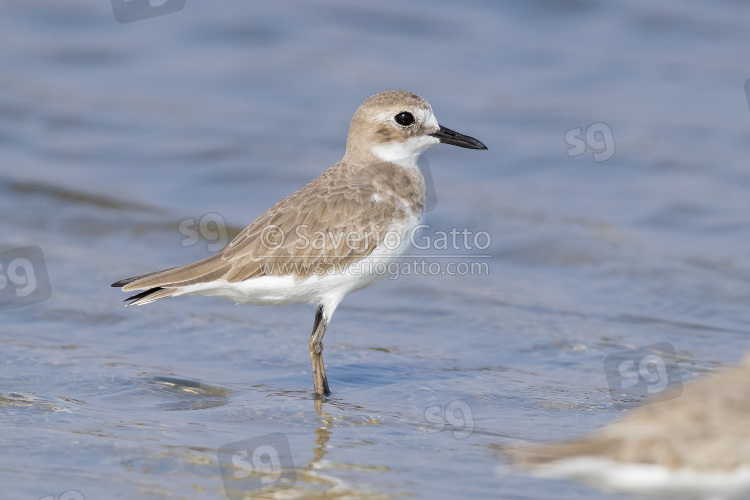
598 137
23 278
127 11
638 376
211 227
456 416
256 463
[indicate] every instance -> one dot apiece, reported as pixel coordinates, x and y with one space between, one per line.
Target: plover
334 236
695 446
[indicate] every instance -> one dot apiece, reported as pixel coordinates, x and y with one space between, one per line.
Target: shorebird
695 446
334 236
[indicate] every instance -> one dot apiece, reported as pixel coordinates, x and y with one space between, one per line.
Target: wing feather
329 223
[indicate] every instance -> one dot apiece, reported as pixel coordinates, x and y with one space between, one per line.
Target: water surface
112 134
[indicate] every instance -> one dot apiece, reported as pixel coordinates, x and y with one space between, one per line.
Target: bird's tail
148 295
169 282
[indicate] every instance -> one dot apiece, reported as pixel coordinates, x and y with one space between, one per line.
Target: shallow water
113 135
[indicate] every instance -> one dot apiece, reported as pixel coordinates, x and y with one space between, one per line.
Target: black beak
448 136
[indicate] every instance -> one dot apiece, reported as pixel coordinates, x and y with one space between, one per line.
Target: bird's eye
404 118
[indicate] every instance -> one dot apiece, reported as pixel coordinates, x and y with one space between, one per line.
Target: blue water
112 135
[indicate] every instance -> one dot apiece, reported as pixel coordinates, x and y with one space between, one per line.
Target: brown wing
331 222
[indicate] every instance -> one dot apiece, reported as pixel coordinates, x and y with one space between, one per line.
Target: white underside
652 479
324 289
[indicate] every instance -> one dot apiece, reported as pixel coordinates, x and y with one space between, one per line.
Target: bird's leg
316 355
